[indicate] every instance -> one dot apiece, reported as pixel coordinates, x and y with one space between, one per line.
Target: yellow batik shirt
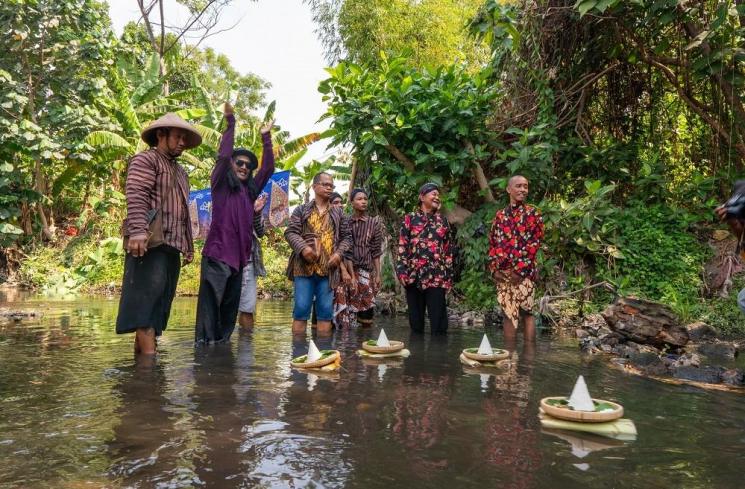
320 224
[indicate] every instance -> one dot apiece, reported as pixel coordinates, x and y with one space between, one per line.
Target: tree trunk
40 187
161 51
353 174
39 180
478 173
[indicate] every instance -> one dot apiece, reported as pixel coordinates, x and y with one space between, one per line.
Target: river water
77 411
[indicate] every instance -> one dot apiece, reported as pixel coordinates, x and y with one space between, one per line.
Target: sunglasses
242 163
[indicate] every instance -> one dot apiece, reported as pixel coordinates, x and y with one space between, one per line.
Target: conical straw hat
193 139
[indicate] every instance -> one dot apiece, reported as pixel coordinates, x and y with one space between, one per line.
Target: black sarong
148 288
219 298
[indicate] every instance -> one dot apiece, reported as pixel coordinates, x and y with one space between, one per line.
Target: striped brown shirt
156 181
367 241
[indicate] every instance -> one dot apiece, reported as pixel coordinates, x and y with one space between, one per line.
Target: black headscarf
427 188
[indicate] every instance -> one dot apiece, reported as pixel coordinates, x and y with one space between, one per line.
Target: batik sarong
514 297
348 300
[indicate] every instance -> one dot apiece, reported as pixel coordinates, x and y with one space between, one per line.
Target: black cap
254 161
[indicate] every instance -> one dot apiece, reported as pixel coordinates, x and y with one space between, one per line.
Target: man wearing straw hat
157 230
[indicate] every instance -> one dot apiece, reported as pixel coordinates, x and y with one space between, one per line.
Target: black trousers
219 298
433 300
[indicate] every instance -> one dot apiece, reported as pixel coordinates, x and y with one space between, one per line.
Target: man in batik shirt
319 236
514 240
424 264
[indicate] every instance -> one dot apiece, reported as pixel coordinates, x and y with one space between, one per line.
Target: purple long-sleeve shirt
231 232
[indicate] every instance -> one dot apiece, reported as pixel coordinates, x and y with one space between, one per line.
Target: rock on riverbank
649 337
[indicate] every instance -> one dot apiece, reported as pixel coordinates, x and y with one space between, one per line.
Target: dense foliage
73 102
431 31
627 118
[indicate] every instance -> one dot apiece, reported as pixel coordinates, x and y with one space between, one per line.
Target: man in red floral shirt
514 241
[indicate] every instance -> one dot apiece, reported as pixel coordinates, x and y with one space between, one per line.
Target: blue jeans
741 300
308 288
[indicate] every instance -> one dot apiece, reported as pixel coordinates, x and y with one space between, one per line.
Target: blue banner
276 210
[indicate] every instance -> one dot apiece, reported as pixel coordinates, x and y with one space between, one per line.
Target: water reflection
78 411
143 446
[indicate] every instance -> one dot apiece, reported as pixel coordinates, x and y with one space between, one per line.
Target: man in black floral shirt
425 261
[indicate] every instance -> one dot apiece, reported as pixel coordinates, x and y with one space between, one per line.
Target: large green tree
183 62
431 30
54 56
409 125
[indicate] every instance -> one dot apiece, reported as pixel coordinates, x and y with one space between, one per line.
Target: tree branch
478 173
408 164
145 11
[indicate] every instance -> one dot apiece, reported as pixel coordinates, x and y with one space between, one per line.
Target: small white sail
580 399
485 347
313 353
579 451
383 339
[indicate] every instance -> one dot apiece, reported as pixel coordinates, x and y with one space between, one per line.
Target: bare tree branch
145 11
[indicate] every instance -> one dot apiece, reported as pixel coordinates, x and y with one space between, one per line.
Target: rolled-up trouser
313 290
248 290
217 305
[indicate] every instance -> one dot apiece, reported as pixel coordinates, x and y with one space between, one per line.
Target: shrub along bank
94 263
652 252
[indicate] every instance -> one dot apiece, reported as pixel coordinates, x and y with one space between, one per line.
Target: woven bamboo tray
497 354
395 346
582 416
300 362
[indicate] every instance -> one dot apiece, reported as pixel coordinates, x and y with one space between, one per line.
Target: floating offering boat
317 359
484 355
580 412
383 348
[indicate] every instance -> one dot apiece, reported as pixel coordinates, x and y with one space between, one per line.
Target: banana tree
135 100
287 151
304 176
